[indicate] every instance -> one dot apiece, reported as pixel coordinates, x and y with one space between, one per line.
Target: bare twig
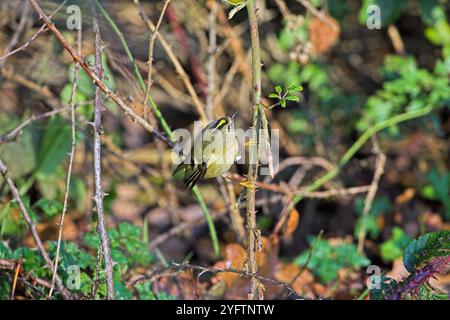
284 188
10 265
32 38
176 63
287 14
318 14
169 271
181 227
17 268
31 226
379 170
99 193
242 273
13 134
71 157
236 218
112 95
44 91
396 39
15 38
151 44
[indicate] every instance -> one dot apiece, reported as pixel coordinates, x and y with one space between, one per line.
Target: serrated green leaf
426 247
427 293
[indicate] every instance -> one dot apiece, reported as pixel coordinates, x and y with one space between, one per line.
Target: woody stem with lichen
253 148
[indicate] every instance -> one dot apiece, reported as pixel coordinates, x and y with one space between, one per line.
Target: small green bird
213 154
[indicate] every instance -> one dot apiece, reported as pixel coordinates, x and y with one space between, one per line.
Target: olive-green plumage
213 153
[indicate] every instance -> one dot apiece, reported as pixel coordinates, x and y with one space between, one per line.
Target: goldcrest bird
213 154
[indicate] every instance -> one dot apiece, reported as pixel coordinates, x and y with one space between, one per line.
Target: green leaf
66 93
278 89
55 146
427 293
32 261
283 103
441 188
327 259
394 247
79 193
8 224
274 95
84 82
338 9
71 254
5 252
287 39
431 11
379 206
121 291
429 192
426 247
50 207
293 98
387 286
390 10
145 293
19 155
295 87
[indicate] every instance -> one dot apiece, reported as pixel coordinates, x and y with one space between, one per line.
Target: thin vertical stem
151 45
71 157
99 194
253 148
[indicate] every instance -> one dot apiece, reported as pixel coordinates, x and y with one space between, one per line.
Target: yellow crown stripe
221 123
